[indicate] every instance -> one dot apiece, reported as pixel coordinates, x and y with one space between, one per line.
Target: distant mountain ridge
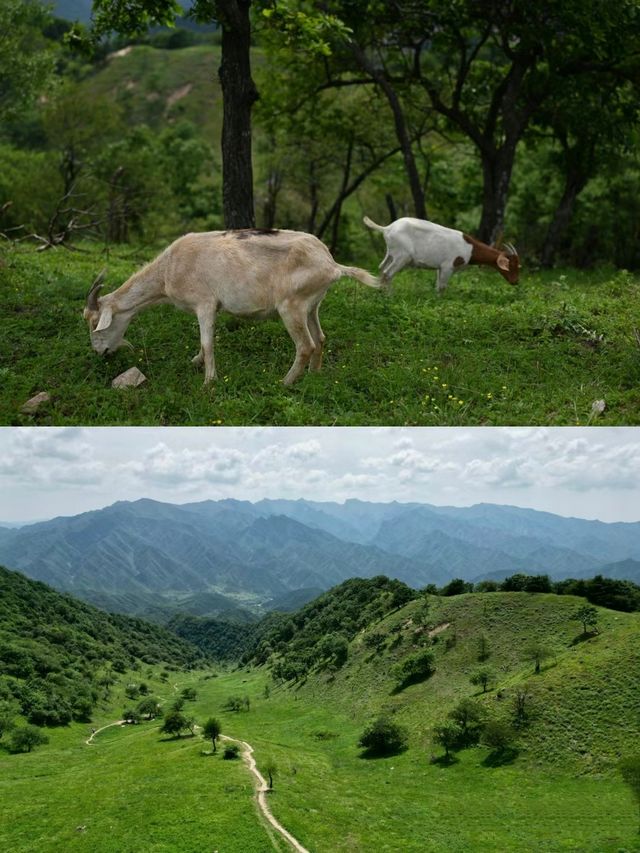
145 556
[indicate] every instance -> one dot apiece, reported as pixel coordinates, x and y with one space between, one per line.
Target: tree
588 615
448 735
149 707
25 738
630 770
415 667
537 651
175 722
27 59
483 676
498 735
456 587
189 694
270 768
239 92
212 730
469 715
483 647
384 737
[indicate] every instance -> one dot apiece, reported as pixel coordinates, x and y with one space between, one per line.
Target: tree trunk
402 132
239 93
497 167
574 184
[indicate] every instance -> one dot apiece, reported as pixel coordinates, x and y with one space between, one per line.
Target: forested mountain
215 558
58 655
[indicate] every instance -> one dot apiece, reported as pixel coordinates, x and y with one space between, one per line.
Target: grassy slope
171 798
147 82
132 790
483 353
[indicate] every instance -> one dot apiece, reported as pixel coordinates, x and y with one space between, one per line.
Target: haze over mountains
214 556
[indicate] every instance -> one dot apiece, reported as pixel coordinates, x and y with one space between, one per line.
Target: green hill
159 86
58 654
581 707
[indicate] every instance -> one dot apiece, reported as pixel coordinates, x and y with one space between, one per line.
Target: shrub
230 752
384 737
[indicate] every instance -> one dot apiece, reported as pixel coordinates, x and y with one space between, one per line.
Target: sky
588 473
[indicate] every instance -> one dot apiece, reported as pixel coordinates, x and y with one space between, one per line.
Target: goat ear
105 320
502 262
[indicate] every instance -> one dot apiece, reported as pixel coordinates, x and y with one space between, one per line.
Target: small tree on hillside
483 677
414 668
469 716
270 768
25 738
149 708
537 652
175 722
630 770
588 615
498 735
448 735
484 649
521 706
212 730
384 737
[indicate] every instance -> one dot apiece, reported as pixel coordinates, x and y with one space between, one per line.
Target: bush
384 737
25 738
414 668
230 752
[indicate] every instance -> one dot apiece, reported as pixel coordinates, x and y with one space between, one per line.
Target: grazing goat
249 273
418 243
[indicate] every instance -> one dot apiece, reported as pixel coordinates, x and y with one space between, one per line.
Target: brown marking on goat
488 256
458 262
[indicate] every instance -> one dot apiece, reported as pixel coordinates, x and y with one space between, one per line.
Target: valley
557 787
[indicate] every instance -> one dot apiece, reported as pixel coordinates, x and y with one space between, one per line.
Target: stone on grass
129 379
33 404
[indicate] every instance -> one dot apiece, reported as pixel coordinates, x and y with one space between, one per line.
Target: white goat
418 243
250 273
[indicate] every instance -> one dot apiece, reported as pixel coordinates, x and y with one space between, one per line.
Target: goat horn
511 248
92 296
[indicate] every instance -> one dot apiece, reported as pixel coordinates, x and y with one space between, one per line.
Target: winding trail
261 784
261 793
102 728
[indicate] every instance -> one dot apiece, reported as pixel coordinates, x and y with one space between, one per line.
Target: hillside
57 654
581 707
232 560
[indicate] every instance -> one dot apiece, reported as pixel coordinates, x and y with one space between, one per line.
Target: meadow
484 353
136 790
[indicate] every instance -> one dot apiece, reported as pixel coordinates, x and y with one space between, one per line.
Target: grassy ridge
483 354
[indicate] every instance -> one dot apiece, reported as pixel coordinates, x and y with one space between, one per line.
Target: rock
129 379
597 407
32 405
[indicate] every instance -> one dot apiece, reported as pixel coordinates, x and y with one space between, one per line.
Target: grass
482 354
134 790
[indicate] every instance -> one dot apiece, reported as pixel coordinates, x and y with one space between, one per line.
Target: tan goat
248 273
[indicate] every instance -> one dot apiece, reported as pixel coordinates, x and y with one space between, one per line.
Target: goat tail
373 225
362 276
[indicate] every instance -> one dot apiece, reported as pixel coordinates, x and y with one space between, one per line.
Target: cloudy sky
591 473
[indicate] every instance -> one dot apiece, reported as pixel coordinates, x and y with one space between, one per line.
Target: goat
249 273
418 243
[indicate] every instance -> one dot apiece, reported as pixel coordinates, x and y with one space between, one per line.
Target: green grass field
483 354
132 790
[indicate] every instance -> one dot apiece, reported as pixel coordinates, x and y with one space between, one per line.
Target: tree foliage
384 737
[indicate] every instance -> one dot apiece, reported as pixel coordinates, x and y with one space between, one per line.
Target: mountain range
218 557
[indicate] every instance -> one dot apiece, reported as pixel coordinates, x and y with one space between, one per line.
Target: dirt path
261 793
261 786
108 726
439 629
